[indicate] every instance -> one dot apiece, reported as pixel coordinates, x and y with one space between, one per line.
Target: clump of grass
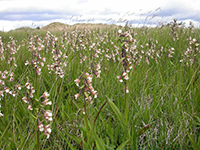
155 106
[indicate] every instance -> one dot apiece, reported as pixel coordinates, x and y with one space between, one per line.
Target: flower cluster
170 52
11 48
6 81
59 63
35 47
29 95
42 113
190 54
2 57
128 46
98 70
46 115
8 77
59 58
174 28
46 129
89 92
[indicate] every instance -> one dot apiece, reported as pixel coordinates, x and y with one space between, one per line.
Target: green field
102 88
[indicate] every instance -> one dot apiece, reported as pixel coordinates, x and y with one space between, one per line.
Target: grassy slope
163 97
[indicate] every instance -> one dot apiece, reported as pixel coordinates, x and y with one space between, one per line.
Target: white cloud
17 12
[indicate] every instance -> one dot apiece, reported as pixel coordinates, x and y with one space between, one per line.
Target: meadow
102 88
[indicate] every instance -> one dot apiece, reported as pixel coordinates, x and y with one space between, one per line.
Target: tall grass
91 108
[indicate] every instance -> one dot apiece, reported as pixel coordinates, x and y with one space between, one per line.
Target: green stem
126 103
85 119
38 134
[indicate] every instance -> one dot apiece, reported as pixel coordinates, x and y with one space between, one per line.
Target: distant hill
57 26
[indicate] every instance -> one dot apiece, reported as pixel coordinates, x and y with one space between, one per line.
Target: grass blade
194 144
117 113
69 144
121 147
4 132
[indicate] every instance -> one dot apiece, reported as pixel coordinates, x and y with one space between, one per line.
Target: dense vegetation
104 88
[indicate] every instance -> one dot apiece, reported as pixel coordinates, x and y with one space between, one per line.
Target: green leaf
198 141
32 146
86 95
194 144
99 142
122 58
76 139
18 126
69 144
117 112
82 87
121 147
198 120
4 132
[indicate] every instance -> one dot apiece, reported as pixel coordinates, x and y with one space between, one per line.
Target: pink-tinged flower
89 77
18 87
6 89
98 74
83 111
31 95
30 107
1 94
32 89
90 88
27 63
119 31
5 72
12 74
13 93
98 67
28 85
130 67
127 70
47 130
94 93
47 102
90 101
56 39
77 81
95 96
1 115
45 95
11 79
42 64
44 59
127 90
125 75
119 78
3 76
25 99
38 71
48 115
41 127
77 96
2 82
61 75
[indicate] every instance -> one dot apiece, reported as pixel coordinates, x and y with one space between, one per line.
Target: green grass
161 110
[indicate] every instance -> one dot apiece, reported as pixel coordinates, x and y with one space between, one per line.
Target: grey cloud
35 15
180 12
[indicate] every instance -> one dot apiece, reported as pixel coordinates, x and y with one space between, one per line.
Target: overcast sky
33 13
